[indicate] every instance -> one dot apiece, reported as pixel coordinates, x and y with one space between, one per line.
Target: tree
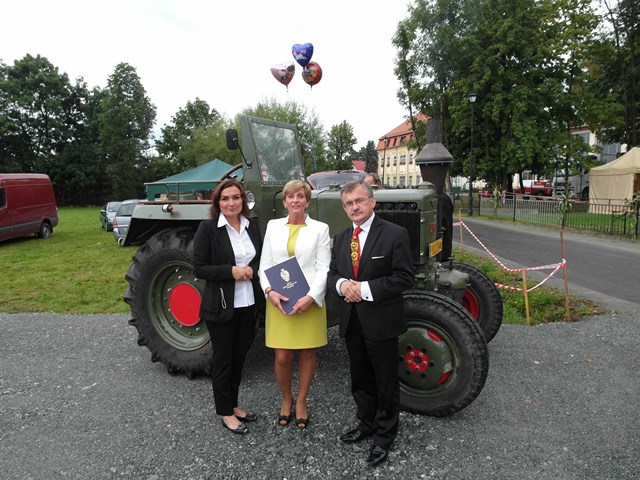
186 142
522 59
615 75
369 154
34 121
126 119
340 146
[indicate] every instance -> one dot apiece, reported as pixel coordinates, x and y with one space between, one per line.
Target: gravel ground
79 399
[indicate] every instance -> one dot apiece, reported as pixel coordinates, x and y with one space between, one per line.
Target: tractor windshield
277 153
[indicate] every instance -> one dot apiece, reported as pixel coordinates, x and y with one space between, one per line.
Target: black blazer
213 259
386 263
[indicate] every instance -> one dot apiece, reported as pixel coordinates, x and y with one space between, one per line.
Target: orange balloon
312 74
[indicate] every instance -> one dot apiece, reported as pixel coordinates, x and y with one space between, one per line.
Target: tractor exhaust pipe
434 160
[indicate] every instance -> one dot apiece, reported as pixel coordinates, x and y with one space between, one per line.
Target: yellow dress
304 330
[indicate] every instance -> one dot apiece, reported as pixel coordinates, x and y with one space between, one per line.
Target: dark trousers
374 383
230 342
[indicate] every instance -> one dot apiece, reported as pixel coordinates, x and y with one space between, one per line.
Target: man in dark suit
370 267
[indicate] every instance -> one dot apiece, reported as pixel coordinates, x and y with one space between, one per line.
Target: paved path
603 268
79 399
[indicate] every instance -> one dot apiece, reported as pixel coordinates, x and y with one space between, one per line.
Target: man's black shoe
377 455
354 436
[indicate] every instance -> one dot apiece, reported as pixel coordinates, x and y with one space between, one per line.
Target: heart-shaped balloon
283 72
302 53
312 74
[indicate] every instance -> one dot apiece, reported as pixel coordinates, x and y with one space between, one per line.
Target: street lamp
472 100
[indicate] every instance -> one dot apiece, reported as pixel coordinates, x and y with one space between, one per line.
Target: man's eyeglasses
358 201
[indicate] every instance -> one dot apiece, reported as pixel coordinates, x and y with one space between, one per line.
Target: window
403 159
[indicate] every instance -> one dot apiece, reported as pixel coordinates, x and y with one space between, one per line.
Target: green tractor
452 310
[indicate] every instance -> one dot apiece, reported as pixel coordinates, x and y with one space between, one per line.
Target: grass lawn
80 269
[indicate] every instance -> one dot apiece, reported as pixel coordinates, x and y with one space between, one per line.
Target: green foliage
195 136
35 112
527 61
340 146
369 154
615 75
125 122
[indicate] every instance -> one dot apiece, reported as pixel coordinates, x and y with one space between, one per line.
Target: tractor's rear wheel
164 296
482 300
443 361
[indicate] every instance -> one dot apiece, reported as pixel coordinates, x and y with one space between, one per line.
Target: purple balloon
302 53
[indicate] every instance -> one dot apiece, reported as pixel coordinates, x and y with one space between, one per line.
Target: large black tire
444 359
482 300
164 296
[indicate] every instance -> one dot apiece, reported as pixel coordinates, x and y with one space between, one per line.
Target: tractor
452 310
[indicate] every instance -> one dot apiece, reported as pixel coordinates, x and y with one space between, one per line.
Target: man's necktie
355 251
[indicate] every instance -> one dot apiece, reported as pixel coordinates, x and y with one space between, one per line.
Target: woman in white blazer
305 328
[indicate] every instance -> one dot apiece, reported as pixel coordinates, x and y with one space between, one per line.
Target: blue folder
287 279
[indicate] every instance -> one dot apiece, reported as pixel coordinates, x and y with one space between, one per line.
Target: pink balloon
284 72
312 74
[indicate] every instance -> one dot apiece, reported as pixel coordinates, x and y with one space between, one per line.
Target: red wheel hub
416 360
471 304
184 303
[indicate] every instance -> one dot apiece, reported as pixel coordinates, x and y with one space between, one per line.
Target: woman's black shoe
302 423
248 417
284 420
240 429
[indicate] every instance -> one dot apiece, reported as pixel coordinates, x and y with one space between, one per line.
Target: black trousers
230 341
374 383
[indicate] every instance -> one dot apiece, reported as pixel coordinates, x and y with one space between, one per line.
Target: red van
27 205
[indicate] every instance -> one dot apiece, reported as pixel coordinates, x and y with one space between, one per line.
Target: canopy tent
188 184
616 182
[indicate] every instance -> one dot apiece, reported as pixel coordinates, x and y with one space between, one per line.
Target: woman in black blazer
226 253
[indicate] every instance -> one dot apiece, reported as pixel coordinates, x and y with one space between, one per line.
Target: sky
222 52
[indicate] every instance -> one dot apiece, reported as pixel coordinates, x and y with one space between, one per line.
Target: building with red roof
396 165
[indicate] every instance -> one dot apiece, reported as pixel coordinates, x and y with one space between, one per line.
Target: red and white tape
554 266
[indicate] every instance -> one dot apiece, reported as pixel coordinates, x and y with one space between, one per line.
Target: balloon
312 74
284 72
302 53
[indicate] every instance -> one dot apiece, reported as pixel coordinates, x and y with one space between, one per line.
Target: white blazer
313 251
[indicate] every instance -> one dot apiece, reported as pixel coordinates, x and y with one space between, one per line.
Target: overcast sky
222 52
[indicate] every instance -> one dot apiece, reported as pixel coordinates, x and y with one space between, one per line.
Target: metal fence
613 217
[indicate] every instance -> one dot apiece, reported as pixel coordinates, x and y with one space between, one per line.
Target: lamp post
472 100
384 157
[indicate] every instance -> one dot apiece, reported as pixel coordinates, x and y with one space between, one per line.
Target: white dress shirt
244 251
365 291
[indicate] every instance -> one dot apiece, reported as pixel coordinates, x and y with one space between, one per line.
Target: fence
613 217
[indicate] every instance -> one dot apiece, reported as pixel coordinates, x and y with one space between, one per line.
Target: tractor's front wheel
164 296
443 362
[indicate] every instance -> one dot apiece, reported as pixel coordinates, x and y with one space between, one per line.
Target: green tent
187 185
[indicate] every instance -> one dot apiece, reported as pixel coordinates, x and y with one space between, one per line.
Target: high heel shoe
248 417
284 420
241 429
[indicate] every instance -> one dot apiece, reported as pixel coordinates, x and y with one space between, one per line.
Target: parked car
334 178
122 219
107 214
27 205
